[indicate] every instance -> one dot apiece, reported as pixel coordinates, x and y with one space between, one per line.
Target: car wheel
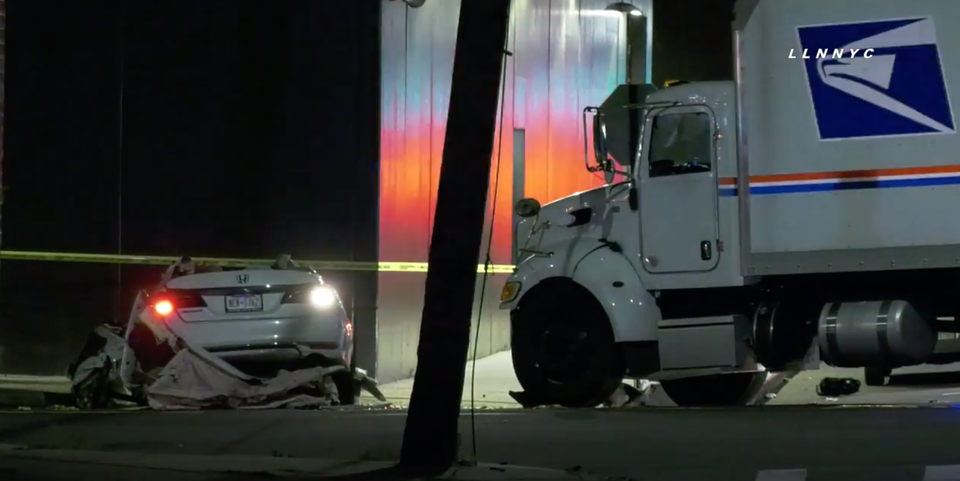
735 389
564 351
875 376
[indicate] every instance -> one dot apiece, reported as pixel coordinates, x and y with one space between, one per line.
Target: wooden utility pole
3 77
430 438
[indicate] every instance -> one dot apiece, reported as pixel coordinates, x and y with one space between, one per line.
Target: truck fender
609 277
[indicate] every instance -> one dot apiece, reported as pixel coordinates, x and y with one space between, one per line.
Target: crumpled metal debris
195 379
191 382
629 396
95 374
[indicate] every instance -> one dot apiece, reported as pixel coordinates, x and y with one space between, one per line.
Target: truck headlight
510 291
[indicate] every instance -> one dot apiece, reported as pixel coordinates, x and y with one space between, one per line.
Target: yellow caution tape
230 262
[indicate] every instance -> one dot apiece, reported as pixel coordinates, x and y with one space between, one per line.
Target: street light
625 7
628 10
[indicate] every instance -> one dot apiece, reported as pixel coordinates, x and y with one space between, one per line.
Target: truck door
678 191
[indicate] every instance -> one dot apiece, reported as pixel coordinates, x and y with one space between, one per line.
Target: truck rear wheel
564 351
734 389
876 376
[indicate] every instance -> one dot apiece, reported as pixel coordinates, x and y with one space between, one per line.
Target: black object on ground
430 436
525 399
836 386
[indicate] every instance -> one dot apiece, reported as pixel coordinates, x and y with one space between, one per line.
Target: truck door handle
706 250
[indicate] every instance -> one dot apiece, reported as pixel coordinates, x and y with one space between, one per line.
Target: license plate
948 336
248 303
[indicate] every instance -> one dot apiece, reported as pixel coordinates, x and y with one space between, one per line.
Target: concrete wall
568 54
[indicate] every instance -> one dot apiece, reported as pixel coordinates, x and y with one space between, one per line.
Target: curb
17 398
61 462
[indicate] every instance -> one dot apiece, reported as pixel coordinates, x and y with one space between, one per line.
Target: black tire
735 389
348 389
875 376
564 351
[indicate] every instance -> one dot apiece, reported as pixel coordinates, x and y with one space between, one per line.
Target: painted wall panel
567 54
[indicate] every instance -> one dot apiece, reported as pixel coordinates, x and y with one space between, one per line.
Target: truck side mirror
527 207
600 149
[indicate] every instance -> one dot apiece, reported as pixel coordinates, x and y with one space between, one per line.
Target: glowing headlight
322 297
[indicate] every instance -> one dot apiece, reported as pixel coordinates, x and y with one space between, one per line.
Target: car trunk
238 295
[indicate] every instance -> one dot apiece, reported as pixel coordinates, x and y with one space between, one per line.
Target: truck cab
591 265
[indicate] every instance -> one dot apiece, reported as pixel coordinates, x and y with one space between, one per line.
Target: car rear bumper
326 333
282 353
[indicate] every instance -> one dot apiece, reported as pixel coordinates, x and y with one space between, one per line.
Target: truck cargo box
848 135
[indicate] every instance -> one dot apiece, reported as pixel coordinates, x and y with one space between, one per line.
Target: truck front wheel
564 351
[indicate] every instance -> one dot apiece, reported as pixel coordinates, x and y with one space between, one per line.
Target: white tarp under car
147 363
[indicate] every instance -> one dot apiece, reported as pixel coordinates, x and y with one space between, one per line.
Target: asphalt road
663 444
658 444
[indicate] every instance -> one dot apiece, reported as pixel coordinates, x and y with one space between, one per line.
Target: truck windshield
680 144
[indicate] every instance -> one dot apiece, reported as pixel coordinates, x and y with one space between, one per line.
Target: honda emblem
242 278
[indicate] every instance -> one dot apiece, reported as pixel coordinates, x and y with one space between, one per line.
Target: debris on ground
834 387
627 396
95 374
193 378
772 385
645 393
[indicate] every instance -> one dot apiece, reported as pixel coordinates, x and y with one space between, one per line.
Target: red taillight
348 327
163 307
172 299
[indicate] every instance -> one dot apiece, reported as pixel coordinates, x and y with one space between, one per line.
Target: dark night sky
692 40
250 128
240 135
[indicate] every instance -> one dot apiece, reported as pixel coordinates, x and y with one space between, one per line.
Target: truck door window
680 144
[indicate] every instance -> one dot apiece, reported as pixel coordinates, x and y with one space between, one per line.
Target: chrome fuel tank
889 333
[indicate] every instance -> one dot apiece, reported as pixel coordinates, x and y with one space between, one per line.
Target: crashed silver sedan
257 317
209 336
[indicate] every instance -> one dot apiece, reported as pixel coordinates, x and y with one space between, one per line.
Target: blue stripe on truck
835 186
